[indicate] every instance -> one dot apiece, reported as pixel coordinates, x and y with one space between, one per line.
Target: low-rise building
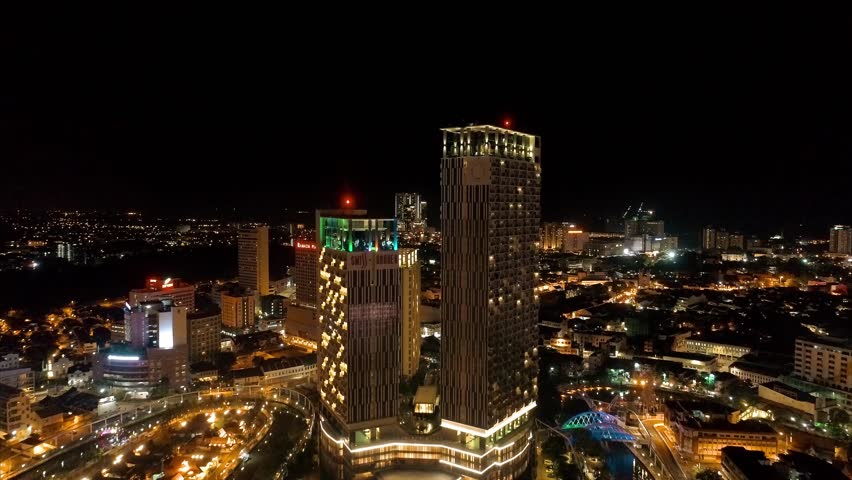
782 394
426 399
739 463
80 377
727 353
284 370
754 374
14 412
694 361
702 429
142 368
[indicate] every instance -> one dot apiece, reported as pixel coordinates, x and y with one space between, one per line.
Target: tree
554 447
707 475
583 441
838 416
101 335
225 360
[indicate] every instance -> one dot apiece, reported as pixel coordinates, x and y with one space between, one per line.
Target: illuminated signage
168 283
152 280
306 245
125 358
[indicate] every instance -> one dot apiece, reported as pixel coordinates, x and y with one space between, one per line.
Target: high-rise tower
253 246
358 309
490 218
409 270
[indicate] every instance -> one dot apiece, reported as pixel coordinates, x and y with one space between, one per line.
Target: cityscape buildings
253 251
643 223
713 238
409 211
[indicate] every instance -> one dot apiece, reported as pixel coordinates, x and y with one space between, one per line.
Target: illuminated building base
363 454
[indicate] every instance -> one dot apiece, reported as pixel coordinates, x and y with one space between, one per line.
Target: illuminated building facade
703 429
840 240
306 271
551 236
238 308
490 208
359 352
409 270
253 256
574 239
170 290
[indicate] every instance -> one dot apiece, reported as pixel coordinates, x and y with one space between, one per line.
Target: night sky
744 123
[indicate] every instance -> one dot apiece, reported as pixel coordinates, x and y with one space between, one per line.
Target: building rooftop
817 468
426 394
9 392
752 463
789 392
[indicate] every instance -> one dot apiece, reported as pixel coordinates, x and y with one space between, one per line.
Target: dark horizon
743 124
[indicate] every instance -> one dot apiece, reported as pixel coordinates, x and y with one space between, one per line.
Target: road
664 450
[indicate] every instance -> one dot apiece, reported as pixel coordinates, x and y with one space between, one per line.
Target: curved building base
354 456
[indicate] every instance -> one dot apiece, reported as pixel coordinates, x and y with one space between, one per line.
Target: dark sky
739 120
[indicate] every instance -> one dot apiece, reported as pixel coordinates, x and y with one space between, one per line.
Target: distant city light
672 254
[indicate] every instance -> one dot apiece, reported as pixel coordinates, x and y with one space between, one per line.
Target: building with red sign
306 272
177 292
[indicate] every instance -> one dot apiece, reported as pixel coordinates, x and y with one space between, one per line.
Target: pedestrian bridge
601 425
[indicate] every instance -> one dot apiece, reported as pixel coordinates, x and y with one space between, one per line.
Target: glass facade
358 234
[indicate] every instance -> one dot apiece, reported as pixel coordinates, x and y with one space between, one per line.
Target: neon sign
306 245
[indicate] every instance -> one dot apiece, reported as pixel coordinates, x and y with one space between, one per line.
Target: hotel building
358 355
490 208
490 181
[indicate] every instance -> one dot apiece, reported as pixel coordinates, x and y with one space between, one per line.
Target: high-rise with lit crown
253 244
490 217
358 309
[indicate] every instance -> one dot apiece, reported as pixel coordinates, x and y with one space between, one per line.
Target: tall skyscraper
409 211
306 271
359 351
840 240
409 310
253 246
490 209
